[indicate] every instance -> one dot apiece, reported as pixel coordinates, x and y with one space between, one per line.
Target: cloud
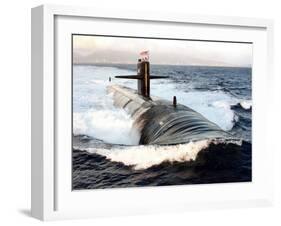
100 49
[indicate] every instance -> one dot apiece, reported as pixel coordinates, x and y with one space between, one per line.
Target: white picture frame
52 197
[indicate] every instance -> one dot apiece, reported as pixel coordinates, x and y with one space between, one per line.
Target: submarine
160 121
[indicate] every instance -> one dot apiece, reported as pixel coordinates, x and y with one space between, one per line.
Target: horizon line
192 65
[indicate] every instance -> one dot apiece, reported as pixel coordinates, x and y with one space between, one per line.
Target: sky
101 49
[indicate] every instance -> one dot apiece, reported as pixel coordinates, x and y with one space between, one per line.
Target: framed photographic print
137 112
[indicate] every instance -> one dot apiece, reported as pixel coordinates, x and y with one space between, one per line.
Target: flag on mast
144 55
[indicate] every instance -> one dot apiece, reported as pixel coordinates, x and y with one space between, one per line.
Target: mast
143 76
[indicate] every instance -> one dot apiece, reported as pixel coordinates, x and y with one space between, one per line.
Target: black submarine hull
160 122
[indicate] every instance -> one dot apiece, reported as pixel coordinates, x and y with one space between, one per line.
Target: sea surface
106 153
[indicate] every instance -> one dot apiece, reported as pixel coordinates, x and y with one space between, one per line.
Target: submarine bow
161 122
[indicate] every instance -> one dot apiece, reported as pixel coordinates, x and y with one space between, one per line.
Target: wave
146 156
246 104
111 126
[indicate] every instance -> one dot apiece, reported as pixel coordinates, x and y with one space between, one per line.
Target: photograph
150 111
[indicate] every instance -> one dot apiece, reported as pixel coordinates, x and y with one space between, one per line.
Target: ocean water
106 153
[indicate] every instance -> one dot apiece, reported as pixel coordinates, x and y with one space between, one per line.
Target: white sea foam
111 126
93 111
246 104
143 157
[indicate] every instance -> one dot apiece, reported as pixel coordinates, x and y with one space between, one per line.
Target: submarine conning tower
143 75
